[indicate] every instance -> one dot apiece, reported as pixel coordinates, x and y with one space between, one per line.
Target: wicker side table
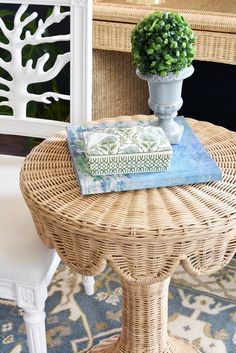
143 234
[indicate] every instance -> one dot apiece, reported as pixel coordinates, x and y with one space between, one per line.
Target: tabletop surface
169 211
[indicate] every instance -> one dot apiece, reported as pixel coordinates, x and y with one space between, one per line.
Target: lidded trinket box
123 150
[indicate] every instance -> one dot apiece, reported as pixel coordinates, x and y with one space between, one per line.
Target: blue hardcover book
190 164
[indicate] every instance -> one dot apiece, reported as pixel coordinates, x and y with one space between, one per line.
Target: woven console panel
210 46
145 233
116 88
212 22
209 15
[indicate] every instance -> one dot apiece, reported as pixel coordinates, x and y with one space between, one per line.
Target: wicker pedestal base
144 322
111 345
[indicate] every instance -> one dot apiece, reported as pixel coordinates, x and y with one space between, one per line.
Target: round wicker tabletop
144 234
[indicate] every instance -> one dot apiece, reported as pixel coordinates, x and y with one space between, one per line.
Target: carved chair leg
88 282
35 328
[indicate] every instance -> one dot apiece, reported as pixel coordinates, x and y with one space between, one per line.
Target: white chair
26 264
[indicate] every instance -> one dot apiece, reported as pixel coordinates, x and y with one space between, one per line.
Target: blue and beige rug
201 310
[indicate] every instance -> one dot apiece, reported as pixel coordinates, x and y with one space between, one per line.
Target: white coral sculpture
16 94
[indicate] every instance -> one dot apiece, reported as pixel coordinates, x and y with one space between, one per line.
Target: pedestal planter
165 100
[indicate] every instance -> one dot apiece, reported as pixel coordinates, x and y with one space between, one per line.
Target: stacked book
136 155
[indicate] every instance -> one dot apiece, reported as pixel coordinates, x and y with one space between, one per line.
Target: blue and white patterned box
134 149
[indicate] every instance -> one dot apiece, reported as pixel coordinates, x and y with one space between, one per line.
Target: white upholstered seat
27 259
26 264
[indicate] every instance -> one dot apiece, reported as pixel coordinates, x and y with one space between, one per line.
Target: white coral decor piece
17 96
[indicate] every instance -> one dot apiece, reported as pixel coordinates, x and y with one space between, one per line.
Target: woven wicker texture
137 300
116 85
143 234
214 23
111 345
210 46
208 15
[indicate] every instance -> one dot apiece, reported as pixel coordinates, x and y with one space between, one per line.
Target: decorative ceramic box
123 150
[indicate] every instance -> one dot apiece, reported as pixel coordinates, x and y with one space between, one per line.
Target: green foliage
162 43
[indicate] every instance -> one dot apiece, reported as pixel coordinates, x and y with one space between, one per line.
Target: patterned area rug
201 310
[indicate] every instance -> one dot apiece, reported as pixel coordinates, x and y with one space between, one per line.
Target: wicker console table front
144 234
116 88
214 23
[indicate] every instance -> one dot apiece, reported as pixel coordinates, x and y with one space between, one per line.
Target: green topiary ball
162 43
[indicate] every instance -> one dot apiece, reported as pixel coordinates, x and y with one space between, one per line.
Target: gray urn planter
165 100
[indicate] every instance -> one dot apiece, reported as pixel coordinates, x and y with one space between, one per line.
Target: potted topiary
163 50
